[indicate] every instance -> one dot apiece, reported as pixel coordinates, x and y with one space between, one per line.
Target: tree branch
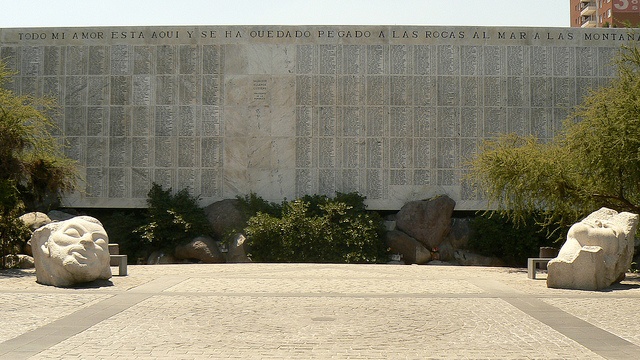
630 206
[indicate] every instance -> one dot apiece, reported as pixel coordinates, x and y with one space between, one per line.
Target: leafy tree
32 165
30 157
593 162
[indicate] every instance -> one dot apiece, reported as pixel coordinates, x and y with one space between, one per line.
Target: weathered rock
225 217
203 249
160 258
467 258
597 253
412 251
237 252
71 252
19 261
35 220
428 221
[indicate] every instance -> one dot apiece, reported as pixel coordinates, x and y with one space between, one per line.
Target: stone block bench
532 264
118 260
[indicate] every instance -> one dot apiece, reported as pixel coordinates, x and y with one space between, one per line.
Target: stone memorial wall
392 112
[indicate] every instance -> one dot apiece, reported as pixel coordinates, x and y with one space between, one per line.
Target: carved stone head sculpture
597 253
71 252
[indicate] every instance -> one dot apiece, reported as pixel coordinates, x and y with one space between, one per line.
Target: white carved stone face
599 233
79 243
71 251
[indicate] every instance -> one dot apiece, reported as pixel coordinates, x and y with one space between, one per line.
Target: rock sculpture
71 252
428 221
597 253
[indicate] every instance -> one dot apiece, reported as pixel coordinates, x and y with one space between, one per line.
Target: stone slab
393 112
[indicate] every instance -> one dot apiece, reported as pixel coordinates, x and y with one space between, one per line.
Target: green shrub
497 236
13 232
253 204
317 229
172 219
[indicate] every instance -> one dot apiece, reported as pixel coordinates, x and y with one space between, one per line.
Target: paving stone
313 311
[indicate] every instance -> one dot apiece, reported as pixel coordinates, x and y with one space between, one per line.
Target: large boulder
35 220
597 253
70 252
203 249
225 216
412 251
428 221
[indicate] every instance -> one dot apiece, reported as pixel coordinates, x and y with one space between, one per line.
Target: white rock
597 253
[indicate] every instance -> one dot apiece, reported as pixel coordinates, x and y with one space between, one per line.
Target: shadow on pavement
17 273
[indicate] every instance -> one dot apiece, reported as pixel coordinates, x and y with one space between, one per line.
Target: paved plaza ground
316 311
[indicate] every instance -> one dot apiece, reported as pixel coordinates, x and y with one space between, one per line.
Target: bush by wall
316 229
172 219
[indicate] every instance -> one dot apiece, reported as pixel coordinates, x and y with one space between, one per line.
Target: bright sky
62 13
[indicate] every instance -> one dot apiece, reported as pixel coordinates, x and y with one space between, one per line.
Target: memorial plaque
187 152
211 59
51 88
141 148
422 155
119 152
117 183
98 60
140 183
96 183
121 90
211 90
98 91
165 60
141 121
516 61
76 90
390 111
143 60
75 121
211 152
470 60
76 148
76 60
211 123
52 61
141 90
119 120
121 60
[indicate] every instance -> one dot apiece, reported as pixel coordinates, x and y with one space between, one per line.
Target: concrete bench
532 264
115 259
